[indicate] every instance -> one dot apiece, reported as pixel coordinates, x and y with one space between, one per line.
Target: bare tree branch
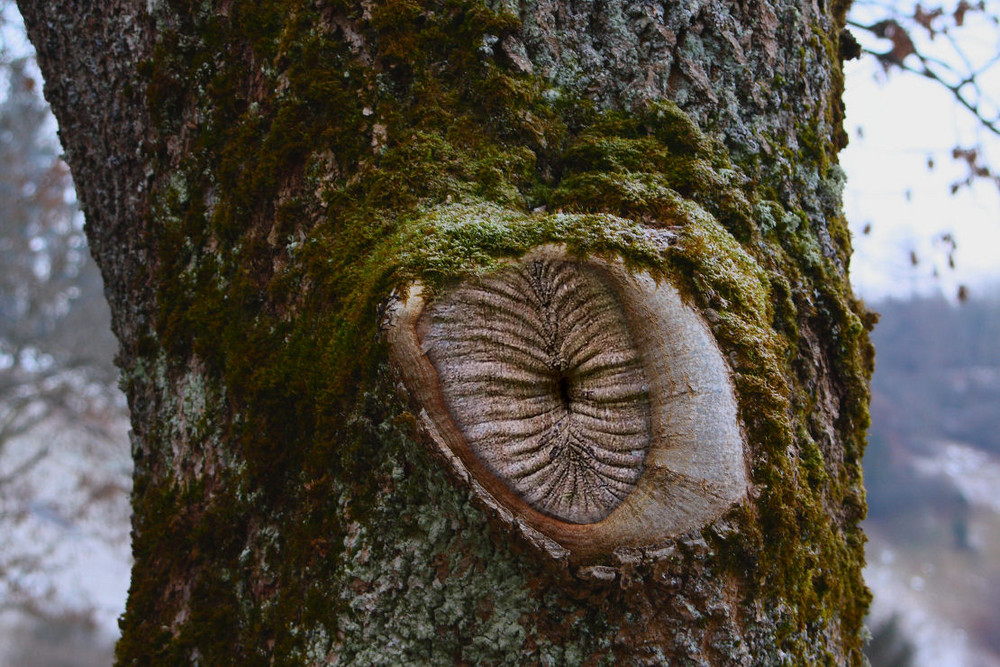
931 68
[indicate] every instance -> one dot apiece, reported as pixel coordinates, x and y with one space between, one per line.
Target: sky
896 124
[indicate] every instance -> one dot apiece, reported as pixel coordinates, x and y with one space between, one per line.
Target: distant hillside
937 377
937 371
932 473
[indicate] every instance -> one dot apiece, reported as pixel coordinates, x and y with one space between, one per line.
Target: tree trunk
290 201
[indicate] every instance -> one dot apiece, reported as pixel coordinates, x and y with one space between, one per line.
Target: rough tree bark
264 184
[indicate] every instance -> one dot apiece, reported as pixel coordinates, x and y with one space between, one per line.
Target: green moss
319 184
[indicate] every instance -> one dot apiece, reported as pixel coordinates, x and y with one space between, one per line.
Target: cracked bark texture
258 178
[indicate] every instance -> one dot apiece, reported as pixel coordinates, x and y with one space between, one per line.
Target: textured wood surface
539 370
578 399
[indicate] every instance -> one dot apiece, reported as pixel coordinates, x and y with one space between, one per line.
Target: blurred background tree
939 43
48 287
64 461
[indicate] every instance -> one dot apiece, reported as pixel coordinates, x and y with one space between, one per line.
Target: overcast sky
904 121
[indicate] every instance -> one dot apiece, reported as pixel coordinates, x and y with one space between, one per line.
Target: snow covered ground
65 480
942 596
973 472
936 639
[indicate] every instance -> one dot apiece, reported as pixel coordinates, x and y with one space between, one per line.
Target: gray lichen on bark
716 59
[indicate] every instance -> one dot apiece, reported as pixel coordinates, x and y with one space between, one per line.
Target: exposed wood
691 467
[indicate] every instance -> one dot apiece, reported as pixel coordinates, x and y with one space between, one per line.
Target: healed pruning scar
576 397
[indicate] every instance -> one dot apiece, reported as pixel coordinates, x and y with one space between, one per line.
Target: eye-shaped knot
539 372
576 397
